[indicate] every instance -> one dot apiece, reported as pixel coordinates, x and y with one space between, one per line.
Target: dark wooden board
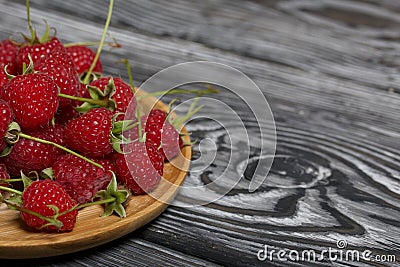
330 71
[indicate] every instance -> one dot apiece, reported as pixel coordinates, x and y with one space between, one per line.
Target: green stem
51 221
103 37
101 103
11 180
28 13
100 202
4 188
128 70
180 91
131 126
140 134
177 122
58 146
115 45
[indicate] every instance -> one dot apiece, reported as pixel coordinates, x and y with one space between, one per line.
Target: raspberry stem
11 180
51 220
177 122
58 146
199 93
142 137
129 72
110 44
103 37
112 197
4 188
101 103
125 128
28 13
100 202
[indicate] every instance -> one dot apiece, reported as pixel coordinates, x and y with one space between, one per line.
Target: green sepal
85 107
117 137
6 151
13 202
120 196
53 220
26 180
47 173
112 105
93 77
46 36
116 143
95 93
98 95
9 76
12 136
28 69
118 126
23 67
14 127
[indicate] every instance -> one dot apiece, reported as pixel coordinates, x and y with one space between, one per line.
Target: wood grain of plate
17 241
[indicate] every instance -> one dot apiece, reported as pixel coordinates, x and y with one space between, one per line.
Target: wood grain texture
330 70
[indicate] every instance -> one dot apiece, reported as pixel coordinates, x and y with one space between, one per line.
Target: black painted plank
327 77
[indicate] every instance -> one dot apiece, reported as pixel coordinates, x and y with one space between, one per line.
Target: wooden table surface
330 71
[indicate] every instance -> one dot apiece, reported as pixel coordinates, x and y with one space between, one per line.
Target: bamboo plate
17 241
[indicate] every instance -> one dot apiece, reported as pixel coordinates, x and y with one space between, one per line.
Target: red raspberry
81 179
33 99
36 51
3 80
123 92
3 172
3 175
39 197
56 66
67 113
141 168
82 89
161 134
8 53
6 117
3 145
90 133
61 55
27 155
171 142
83 57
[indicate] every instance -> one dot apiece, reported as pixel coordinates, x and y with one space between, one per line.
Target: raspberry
39 197
81 179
